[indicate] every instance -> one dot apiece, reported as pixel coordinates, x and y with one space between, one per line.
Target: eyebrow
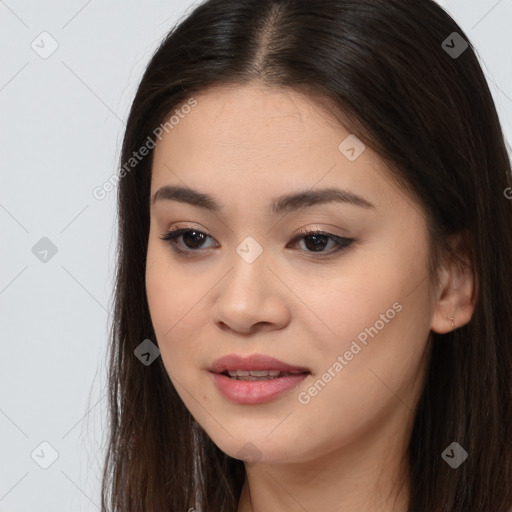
283 204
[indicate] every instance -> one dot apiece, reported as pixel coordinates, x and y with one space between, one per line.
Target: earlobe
456 297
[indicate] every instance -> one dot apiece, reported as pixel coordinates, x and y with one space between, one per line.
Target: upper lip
233 362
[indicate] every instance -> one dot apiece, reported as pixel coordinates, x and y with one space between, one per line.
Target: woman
313 295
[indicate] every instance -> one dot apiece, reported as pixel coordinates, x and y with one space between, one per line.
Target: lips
255 362
255 379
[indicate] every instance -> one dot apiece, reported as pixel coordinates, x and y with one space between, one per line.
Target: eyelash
343 243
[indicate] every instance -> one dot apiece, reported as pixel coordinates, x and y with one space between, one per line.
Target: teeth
267 377
259 374
264 373
254 373
239 373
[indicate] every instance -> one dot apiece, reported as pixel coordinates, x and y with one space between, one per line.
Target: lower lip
255 391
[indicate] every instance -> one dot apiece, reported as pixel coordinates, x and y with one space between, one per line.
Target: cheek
369 292
174 302
173 312
173 295
377 319
380 373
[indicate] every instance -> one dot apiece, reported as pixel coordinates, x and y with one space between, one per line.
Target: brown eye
316 241
193 239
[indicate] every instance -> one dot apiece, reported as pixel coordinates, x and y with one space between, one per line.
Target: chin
258 448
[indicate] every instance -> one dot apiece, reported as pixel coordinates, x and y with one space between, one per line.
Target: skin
344 449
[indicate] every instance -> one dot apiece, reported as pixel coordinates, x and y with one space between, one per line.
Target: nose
251 298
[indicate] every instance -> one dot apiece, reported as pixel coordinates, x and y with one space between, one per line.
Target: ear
458 288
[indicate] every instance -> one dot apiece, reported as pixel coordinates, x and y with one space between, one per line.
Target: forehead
255 117
254 141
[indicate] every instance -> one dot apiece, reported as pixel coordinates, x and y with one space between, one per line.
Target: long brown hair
391 67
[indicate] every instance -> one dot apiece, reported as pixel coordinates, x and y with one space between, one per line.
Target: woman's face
351 307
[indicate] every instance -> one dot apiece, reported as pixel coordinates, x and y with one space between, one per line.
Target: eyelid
315 229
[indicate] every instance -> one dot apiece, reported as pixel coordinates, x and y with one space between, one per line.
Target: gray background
62 120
